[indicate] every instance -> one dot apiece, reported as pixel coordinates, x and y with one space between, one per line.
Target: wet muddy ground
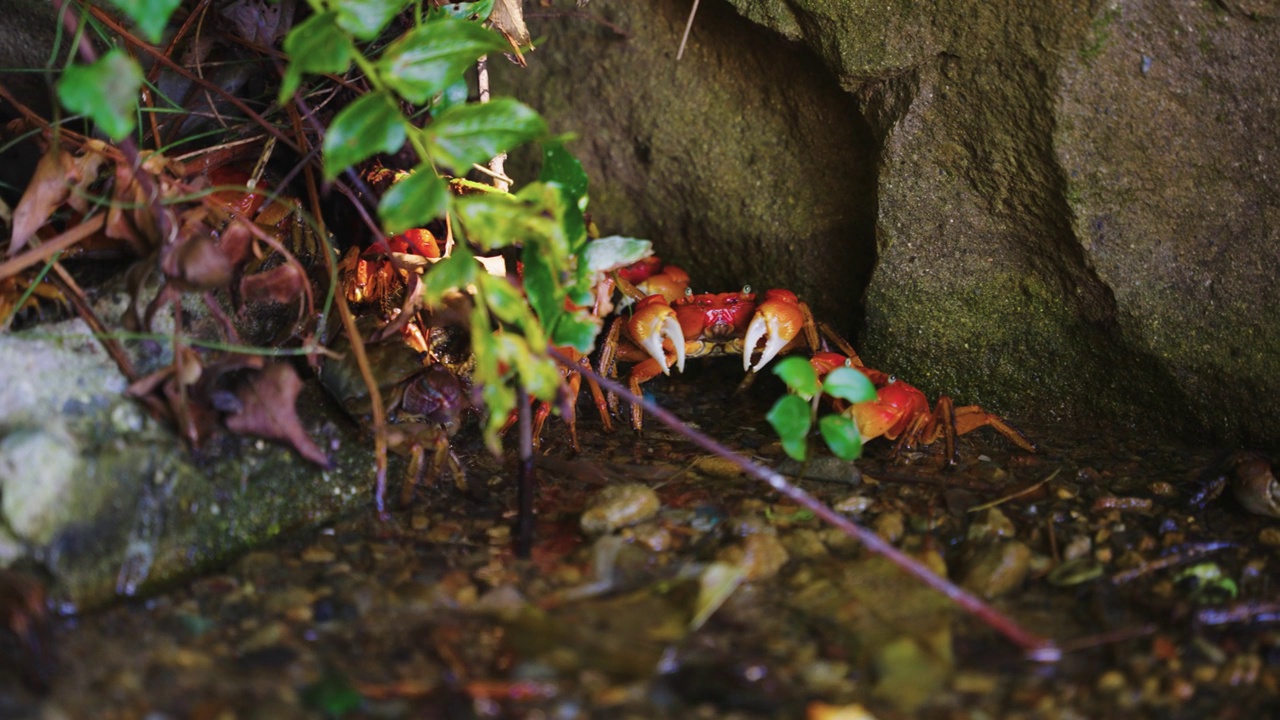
729 602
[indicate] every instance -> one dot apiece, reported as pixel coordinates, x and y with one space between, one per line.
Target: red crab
901 411
660 332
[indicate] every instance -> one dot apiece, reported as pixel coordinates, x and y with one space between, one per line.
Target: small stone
890 526
653 536
971 682
760 556
1112 681
993 525
1269 536
316 554
854 505
997 568
618 506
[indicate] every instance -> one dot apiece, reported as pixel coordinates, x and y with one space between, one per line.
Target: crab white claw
667 329
768 326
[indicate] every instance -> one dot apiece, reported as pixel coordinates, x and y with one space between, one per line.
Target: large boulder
1057 210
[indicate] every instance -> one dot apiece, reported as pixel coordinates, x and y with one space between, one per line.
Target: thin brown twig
1038 648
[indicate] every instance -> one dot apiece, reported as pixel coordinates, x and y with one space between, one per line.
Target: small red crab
901 412
660 332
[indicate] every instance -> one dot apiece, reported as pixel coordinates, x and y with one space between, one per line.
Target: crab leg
778 320
653 323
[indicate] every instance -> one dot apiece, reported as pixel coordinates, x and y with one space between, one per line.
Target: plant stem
1037 648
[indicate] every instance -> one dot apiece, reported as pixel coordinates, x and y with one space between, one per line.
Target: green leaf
499 400
541 285
504 300
463 10
849 384
371 124
366 18
316 46
106 92
431 57
799 376
577 330
842 436
790 418
151 16
452 273
561 167
494 220
614 252
466 134
414 201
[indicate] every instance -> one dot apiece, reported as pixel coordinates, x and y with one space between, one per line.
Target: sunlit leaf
494 220
842 436
799 376
317 46
151 16
561 167
466 134
504 300
614 252
371 124
414 201
464 10
848 384
577 330
106 92
790 418
431 57
366 18
456 271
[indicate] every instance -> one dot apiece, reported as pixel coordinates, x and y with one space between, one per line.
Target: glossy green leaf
799 376
561 167
615 252
366 18
494 220
151 16
456 271
316 46
414 201
842 436
431 57
371 124
466 134
499 400
504 300
849 384
464 10
541 285
577 330
790 418
106 92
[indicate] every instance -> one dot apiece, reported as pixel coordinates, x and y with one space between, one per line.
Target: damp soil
728 602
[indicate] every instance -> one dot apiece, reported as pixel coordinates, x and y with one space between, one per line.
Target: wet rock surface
1055 209
429 614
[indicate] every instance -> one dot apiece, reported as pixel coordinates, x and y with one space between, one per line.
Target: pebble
890 526
316 554
993 525
997 568
618 506
1269 536
760 556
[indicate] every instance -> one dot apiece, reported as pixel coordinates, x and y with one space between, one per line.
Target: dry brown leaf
281 284
508 18
268 411
47 190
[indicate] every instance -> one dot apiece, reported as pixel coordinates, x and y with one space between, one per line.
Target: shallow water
429 614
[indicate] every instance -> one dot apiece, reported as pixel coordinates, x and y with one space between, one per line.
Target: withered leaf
269 411
508 18
47 190
281 284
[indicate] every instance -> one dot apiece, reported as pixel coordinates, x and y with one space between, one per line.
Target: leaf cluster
794 414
